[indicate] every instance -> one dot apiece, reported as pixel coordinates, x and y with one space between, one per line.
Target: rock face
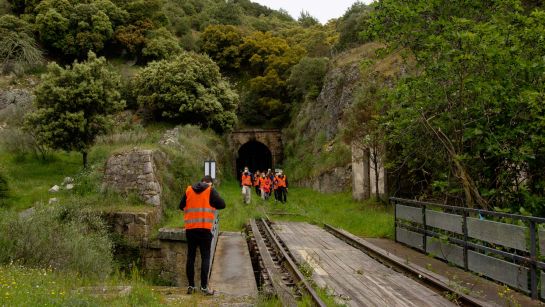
337 180
134 171
15 97
323 118
336 96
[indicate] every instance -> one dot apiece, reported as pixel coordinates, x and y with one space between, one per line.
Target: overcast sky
324 10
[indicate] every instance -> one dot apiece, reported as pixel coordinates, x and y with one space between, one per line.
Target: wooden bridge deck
352 275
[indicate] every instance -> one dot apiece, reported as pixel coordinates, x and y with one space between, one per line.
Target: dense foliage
75 104
188 89
18 49
469 124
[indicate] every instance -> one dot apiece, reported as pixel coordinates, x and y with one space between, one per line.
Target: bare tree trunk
470 189
377 174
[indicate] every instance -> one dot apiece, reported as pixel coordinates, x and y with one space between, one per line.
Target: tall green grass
20 286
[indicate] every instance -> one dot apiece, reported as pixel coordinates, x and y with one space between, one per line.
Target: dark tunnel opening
255 155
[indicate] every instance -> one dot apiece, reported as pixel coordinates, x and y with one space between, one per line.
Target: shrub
18 49
307 77
188 89
63 238
20 143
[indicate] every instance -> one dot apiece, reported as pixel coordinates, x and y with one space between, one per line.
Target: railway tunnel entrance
259 149
255 155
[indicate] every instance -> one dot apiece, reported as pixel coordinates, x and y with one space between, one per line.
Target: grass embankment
366 219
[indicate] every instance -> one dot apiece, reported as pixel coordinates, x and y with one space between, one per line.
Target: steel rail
430 278
291 266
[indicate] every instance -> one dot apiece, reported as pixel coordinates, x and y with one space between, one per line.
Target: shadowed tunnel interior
255 155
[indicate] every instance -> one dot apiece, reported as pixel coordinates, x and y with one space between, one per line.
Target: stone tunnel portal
255 155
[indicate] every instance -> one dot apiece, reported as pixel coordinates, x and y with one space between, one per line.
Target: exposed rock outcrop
15 97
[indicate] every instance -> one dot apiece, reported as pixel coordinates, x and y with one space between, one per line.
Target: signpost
210 168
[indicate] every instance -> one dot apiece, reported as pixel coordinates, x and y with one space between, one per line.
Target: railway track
275 268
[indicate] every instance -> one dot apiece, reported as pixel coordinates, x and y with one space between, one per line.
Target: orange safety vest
246 180
256 181
281 182
267 184
197 212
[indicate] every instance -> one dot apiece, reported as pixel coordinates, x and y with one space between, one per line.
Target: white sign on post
210 169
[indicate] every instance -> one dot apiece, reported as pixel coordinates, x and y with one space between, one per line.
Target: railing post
464 229
533 256
425 228
395 220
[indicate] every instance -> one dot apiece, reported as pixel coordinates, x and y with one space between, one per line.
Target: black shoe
207 291
190 290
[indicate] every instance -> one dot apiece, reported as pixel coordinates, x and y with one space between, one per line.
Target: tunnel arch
255 155
270 138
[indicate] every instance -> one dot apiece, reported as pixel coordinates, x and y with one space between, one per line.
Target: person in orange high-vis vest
281 183
257 178
199 203
246 183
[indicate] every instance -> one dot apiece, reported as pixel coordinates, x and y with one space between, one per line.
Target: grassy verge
20 286
366 219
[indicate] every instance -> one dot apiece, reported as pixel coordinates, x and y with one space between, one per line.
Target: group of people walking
265 184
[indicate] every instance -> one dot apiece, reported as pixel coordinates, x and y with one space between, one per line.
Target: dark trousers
201 238
282 194
257 190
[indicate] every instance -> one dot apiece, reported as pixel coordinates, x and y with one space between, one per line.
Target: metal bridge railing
508 248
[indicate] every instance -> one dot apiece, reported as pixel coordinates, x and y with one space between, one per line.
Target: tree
471 118
160 44
222 44
307 77
75 28
306 20
74 105
227 13
351 24
188 89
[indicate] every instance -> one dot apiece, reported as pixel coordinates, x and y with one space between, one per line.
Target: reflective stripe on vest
246 180
198 213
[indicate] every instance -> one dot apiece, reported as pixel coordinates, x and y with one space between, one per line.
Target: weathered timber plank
352 273
500 233
445 221
360 294
511 274
449 252
410 238
412 214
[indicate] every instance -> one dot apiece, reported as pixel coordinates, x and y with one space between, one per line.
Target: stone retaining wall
135 227
134 171
166 257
